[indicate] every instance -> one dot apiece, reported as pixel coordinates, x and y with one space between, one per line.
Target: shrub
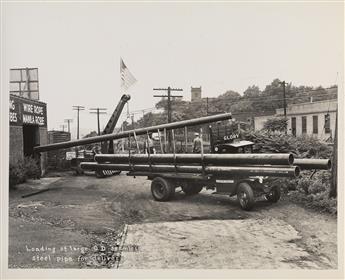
16 174
310 189
22 170
313 191
32 169
277 142
276 124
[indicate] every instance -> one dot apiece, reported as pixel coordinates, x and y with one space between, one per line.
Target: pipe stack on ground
232 165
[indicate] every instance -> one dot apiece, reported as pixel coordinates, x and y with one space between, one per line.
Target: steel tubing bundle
233 171
216 159
140 131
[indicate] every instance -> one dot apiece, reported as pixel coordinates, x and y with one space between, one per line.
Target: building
311 118
195 93
57 158
27 116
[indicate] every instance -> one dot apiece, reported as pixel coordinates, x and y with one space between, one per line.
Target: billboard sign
24 82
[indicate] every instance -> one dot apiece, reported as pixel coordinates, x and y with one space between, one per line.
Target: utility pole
68 124
169 90
63 127
334 178
284 100
206 106
78 109
132 119
98 111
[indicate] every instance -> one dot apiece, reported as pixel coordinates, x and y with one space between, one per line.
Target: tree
252 91
230 94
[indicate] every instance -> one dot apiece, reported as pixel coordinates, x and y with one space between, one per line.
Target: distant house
310 118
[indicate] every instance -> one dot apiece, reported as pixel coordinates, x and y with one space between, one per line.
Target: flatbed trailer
193 172
247 189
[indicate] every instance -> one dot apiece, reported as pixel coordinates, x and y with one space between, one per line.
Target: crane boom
109 128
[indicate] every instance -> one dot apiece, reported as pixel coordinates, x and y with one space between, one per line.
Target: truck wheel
245 196
191 189
274 194
162 189
79 171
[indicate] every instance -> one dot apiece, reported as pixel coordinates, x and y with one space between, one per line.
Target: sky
218 46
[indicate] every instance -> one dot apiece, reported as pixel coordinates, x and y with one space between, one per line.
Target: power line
210 99
234 102
215 99
261 97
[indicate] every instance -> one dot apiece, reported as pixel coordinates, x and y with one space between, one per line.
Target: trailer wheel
274 194
162 189
245 196
191 189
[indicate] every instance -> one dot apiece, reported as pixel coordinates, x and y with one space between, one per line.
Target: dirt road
76 224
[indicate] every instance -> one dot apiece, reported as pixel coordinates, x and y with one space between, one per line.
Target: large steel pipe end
310 163
297 171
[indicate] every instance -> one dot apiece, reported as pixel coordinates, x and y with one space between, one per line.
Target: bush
276 124
17 173
277 142
313 191
310 189
32 169
22 170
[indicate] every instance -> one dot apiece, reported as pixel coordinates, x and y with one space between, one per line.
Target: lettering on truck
231 136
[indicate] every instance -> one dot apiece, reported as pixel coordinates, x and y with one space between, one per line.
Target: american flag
127 79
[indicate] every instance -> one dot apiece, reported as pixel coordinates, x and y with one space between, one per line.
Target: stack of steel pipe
275 165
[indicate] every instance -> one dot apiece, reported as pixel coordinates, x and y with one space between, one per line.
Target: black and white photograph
172 139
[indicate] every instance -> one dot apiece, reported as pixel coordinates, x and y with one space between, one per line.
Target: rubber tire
248 203
162 189
274 194
192 189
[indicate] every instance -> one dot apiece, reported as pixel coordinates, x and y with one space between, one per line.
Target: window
293 126
327 123
304 125
315 124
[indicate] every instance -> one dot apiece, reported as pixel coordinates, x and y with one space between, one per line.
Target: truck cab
226 139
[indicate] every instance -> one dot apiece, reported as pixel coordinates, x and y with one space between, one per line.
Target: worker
196 143
149 145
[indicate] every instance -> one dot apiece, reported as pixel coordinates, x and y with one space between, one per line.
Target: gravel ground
81 223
